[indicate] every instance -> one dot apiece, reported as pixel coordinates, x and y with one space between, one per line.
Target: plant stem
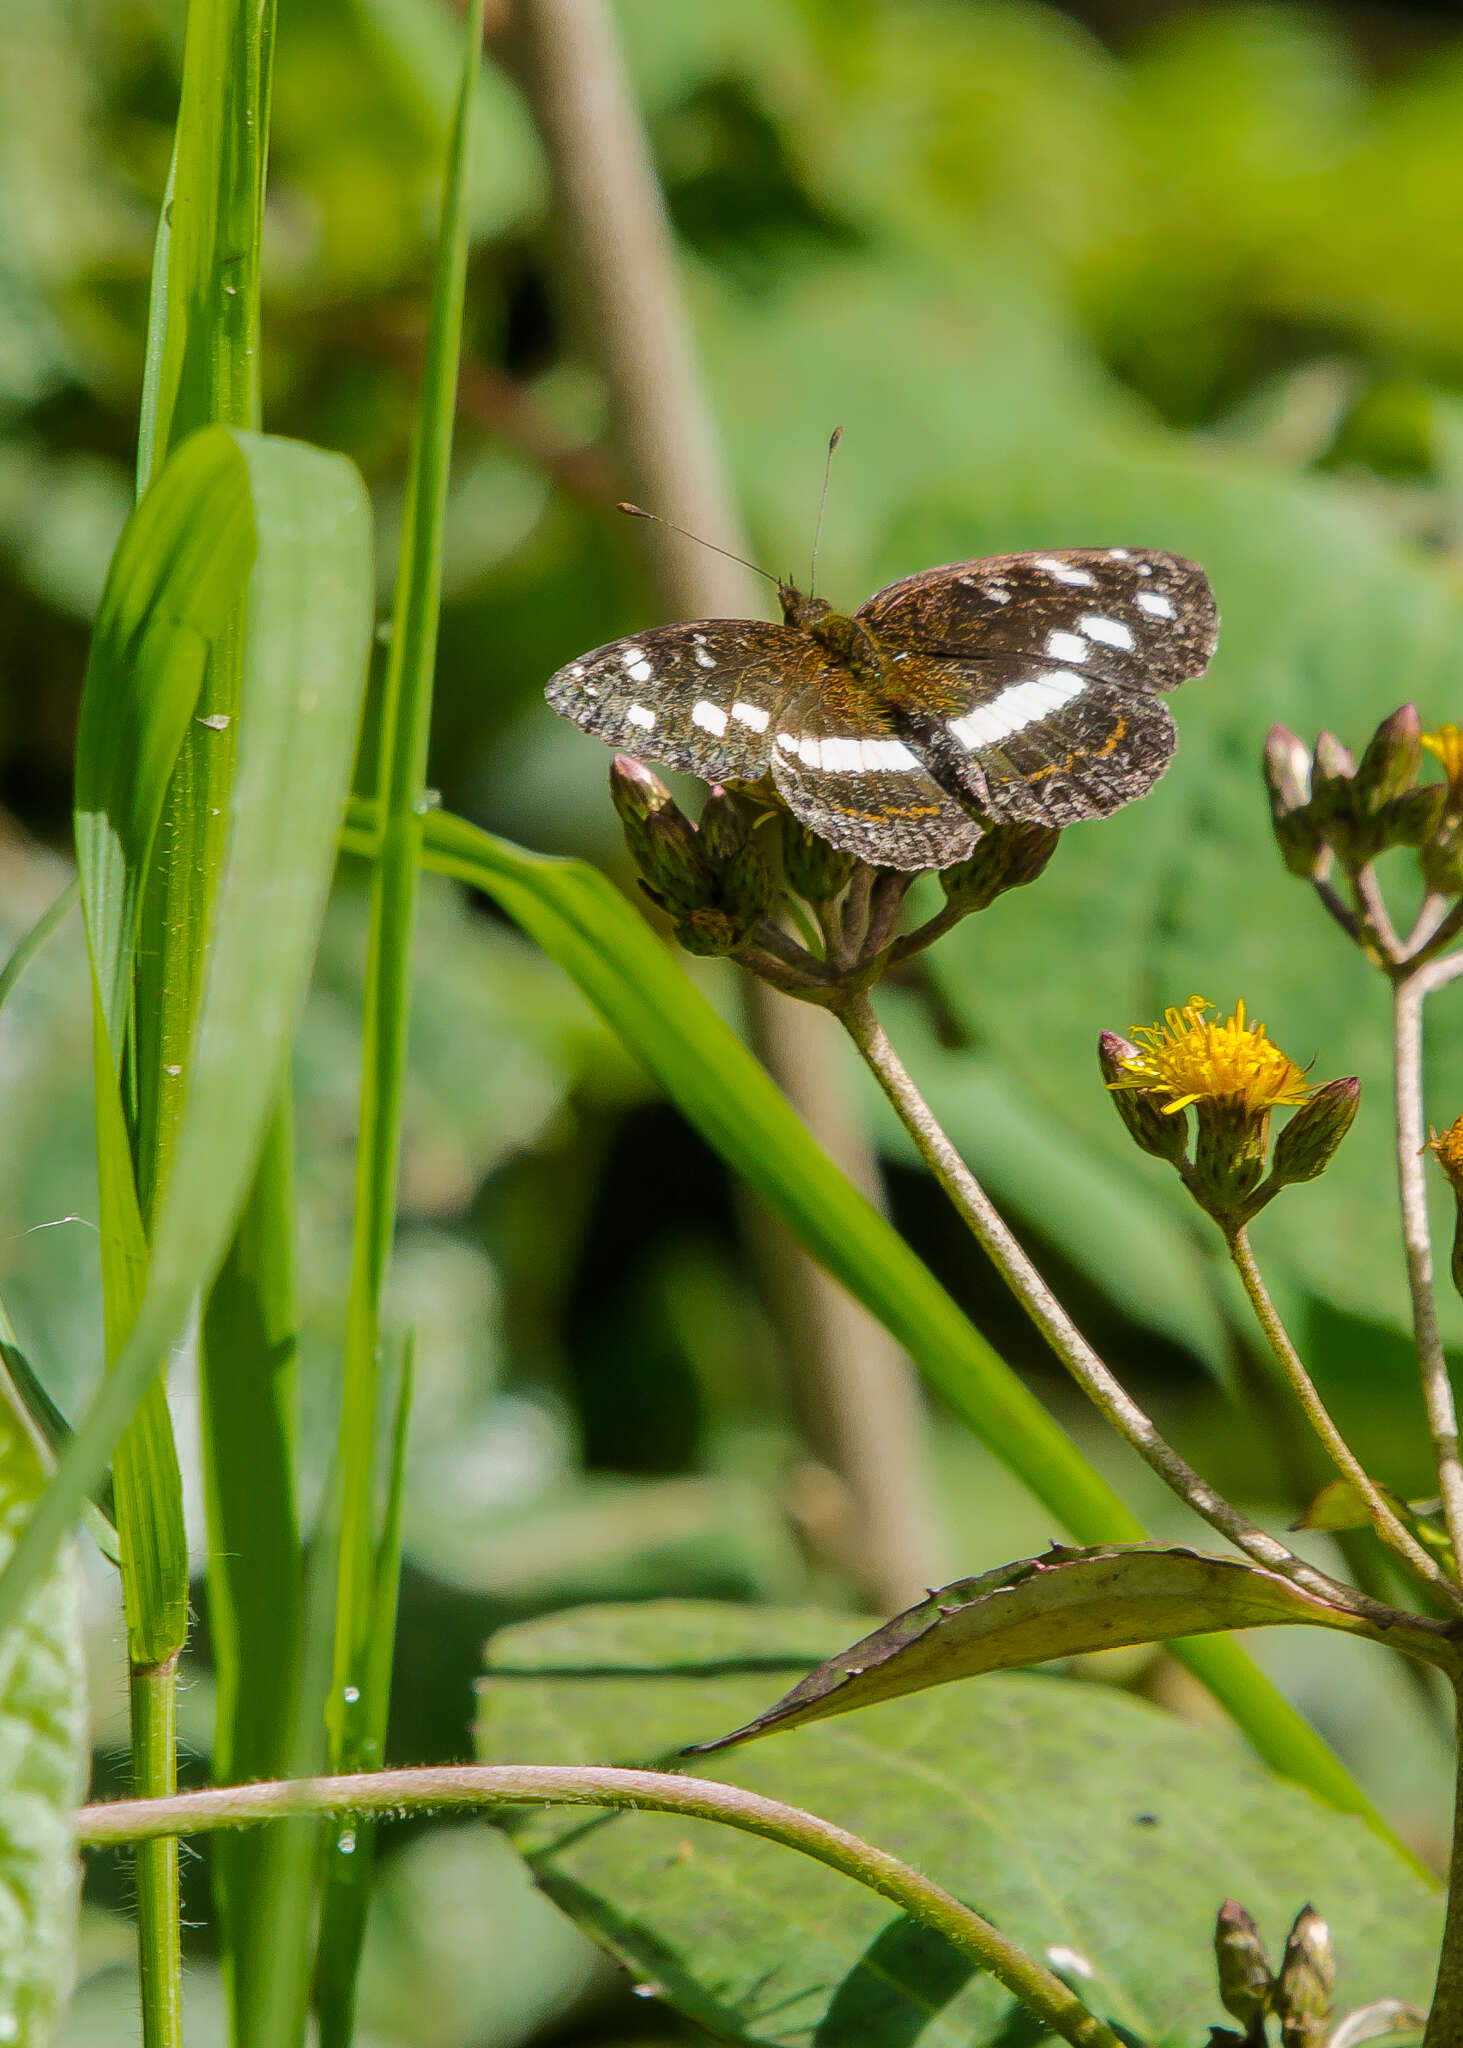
1445 2020
1094 1377
154 1714
494 1785
1410 991
1391 1530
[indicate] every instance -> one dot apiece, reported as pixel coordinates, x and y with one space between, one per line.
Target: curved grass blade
307 634
582 922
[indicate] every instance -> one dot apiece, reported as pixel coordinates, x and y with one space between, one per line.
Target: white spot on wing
1155 604
641 715
641 672
752 715
703 659
710 717
1120 554
837 756
1064 572
1067 647
1111 632
1145 568
630 655
576 669
1023 704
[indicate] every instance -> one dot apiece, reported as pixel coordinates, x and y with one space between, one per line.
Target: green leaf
44 1740
1065 1604
307 632
1064 1809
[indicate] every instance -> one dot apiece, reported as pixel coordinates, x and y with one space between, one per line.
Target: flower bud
725 827
1305 1983
661 839
1333 762
1006 857
815 870
1388 768
709 932
1287 770
1141 1109
1414 816
1442 854
1306 1146
1245 1984
1229 1156
1288 779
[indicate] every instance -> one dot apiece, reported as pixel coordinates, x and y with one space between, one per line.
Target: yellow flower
1446 745
1448 1151
1194 1058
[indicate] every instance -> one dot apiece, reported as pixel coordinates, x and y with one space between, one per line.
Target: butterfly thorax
849 641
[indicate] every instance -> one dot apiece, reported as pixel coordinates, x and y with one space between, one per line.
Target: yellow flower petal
1193 1057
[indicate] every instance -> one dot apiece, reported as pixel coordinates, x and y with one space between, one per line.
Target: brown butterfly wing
1134 616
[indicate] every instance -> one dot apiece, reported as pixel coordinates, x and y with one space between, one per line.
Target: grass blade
307 637
249 1392
360 1667
582 922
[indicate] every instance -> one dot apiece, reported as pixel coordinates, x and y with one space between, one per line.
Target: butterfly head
798 610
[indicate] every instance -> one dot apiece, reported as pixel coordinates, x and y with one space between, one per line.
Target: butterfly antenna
639 512
833 440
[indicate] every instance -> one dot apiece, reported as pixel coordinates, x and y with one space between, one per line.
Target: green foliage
992 1786
44 1737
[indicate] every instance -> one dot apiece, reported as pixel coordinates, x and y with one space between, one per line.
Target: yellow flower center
1446 745
1194 1058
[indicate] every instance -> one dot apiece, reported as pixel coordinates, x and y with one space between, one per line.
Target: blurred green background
1142 273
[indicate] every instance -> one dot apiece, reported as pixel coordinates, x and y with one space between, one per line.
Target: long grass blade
360 1667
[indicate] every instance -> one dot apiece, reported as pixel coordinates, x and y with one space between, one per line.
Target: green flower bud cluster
1326 804
1298 1994
713 881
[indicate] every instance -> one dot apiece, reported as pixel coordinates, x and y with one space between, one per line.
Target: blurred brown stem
1411 989
858 1394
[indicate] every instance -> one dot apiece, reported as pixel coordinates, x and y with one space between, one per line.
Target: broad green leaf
307 631
584 924
1065 1810
45 1746
1065 1604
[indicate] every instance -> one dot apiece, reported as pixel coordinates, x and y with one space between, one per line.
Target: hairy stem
496 1785
1094 1377
154 1699
1410 991
1391 1530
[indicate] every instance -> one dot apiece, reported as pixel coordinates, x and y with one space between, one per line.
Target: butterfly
1019 687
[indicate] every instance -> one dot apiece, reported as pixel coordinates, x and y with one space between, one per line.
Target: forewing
1128 615
703 697
850 778
1021 739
